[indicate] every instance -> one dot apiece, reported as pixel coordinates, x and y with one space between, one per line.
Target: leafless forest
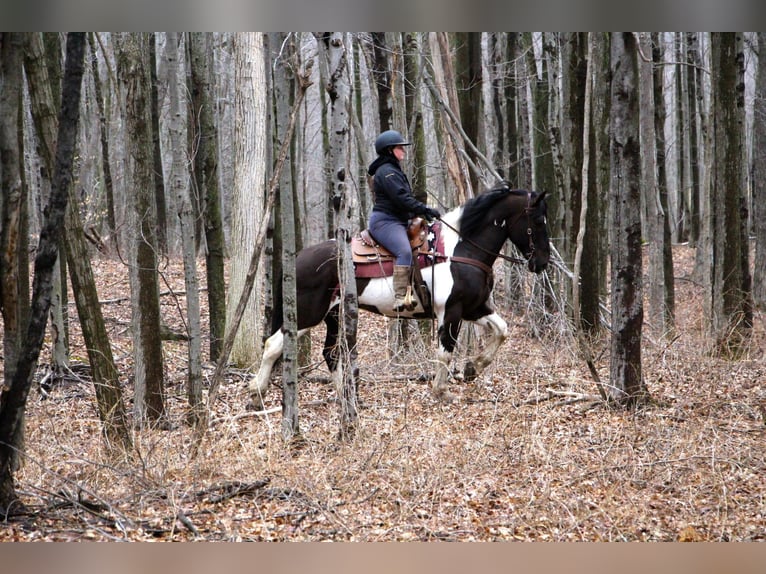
626 405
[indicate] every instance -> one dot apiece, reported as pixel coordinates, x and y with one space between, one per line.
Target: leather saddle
365 249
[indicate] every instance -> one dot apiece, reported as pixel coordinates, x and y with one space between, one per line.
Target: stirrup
408 303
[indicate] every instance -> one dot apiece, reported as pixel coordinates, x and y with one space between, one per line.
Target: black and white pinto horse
471 237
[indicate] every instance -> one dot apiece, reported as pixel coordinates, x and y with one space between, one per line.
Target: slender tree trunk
12 304
133 69
284 90
103 369
179 182
593 272
159 178
668 280
205 166
45 50
759 177
14 401
655 215
338 90
730 317
104 133
627 387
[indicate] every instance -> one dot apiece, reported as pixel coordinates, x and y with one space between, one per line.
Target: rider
394 205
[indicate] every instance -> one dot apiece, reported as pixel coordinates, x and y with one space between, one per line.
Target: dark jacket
393 194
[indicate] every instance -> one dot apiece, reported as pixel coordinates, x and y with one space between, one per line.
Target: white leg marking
439 385
498 334
272 350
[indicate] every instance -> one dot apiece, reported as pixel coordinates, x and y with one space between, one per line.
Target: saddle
365 249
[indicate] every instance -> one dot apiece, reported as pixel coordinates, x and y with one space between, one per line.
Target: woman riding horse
394 206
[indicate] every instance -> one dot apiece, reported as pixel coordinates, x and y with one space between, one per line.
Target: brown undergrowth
525 454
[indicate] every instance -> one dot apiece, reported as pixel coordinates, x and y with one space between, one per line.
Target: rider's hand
432 213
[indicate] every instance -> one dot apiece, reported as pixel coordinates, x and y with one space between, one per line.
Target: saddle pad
374 260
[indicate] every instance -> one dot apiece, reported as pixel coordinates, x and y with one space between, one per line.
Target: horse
467 240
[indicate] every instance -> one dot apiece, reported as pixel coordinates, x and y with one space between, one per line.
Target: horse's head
529 232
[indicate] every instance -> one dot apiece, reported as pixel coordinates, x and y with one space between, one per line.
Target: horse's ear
540 198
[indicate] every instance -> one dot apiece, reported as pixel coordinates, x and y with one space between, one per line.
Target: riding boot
403 300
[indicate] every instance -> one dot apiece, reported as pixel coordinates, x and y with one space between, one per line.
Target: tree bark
247 198
133 69
730 317
627 386
759 177
159 178
12 302
103 369
14 401
205 171
179 182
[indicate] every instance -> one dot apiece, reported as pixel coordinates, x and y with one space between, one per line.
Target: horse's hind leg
257 386
498 333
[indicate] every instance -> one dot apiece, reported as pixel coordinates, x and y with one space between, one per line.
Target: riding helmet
387 139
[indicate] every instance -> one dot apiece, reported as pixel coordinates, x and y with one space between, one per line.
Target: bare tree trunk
284 90
655 215
247 198
730 318
179 182
12 304
133 69
14 400
668 281
103 369
159 179
627 387
338 89
205 168
45 51
443 80
594 267
759 177
102 120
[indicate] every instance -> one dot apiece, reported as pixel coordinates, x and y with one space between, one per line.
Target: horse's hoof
469 372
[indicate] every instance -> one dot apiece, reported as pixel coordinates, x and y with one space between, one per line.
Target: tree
759 177
159 179
13 303
655 213
179 183
247 197
133 70
338 89
103 369
204 151
14 400
729 305
627 386
284 86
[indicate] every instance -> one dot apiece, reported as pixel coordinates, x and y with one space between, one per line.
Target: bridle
528 210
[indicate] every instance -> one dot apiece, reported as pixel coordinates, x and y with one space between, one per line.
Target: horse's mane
476 208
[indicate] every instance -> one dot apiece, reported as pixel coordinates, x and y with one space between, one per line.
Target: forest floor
528 452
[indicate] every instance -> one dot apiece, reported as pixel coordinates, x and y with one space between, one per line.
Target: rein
481 265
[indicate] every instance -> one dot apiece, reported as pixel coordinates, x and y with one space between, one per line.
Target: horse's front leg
448 332
257 386
498 333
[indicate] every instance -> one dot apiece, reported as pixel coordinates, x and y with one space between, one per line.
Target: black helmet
388 139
